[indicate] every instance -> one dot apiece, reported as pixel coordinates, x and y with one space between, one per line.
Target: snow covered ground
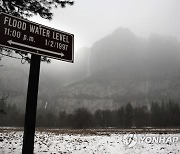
52 142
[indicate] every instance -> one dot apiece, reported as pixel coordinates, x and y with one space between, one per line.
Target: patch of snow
53 143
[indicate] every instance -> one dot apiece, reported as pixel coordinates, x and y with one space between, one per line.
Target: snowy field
92 142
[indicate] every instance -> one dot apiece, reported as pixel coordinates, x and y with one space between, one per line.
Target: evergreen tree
40 118
63 119
3 104
13 117
28 8
163 112
107 118
82 118
173 114
50 119
141 117
98 119
121 117
128 115
155 114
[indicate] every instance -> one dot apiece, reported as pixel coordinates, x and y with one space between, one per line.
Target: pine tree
3 104
141 117
82 118
128 115
155 114
120 117
28 8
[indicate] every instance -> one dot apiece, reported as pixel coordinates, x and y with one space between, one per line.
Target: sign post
39 40
31 105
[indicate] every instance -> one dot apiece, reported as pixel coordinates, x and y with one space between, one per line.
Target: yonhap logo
130 140
158 139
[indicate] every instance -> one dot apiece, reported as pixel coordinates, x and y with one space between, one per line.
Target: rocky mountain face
125 68
117 69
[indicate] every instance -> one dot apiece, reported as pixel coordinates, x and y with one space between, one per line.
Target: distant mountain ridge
117 69
123 68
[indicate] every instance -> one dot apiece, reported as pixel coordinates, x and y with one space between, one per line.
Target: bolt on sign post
39 40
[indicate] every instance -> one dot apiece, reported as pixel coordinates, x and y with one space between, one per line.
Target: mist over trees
160 115
10 115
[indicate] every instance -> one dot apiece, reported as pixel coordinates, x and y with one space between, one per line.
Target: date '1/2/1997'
55 44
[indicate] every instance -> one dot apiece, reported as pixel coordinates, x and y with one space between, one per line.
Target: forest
158 114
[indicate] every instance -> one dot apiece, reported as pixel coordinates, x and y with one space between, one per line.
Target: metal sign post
31 105
39 40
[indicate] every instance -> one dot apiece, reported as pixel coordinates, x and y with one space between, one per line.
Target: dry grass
106 131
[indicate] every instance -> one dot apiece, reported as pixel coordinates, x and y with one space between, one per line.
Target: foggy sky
90 20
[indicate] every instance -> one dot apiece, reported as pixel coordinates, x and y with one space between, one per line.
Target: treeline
155 115
10 115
